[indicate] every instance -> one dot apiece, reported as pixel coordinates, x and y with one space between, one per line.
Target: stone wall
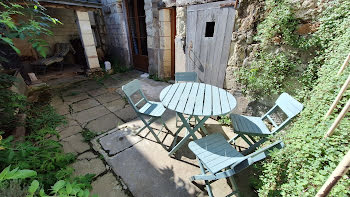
164 55
243 47
62 33
116 31
153 39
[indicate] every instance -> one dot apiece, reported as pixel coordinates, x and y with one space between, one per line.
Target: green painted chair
218 159
247 127
144 107
184 77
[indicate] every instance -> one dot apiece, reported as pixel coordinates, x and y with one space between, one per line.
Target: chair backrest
62 49
256 156
290 108
132 88
186 76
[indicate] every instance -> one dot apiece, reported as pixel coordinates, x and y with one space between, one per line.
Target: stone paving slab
104 123
69 131
97 92
119 141
84 104
115 105
74 98
108 97
126 114
108 186
93 166
74 144
62 109
87 155
90 114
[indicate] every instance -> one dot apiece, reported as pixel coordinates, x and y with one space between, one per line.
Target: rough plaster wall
180 39
153 41
61 33
116 29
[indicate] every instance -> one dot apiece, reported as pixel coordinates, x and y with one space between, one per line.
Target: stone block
93 62
164 15
165 55
165 29
90 51
85 27
82 16
88 39
165 43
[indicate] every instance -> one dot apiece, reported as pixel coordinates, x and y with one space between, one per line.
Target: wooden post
336 175
344 64
337 99
338 119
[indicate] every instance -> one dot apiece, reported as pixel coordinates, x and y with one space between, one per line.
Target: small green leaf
4 173
58 185
69 188
33 187
22 174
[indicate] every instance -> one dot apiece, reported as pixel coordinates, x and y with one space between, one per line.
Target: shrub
301 168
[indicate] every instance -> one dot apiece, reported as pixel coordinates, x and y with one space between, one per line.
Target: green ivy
303 166
270 74
278 64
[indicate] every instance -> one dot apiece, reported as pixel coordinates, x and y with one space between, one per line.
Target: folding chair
151 109
248 126
218 159
184 77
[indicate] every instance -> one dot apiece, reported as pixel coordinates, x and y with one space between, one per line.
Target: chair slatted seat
247 127
219 159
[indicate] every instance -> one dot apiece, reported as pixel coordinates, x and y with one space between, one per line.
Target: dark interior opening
209 29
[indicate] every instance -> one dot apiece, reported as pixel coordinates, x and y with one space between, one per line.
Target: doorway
208 38
137 33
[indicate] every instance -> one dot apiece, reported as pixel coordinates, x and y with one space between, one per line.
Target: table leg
203 128
191 132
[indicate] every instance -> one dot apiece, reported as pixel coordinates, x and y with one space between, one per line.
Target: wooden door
209 31
137 33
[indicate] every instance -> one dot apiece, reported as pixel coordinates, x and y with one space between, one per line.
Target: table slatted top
197 99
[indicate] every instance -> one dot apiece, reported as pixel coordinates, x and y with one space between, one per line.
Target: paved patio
132 165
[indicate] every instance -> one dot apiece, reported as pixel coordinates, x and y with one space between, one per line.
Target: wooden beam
338 119
339 96
336 175
344 65
65 6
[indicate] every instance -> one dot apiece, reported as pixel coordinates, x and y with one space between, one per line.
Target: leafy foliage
88 135
225 120
278 63
25 21
78 186
43 116
271 73
308 159
45 156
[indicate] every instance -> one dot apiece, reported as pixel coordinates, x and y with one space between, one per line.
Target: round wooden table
196 99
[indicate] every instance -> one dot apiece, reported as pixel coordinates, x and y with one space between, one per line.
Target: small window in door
209 29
